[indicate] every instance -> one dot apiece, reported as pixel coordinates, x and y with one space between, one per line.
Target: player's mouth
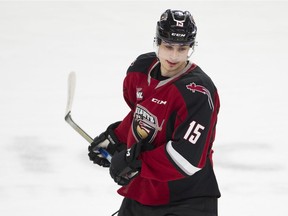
171 64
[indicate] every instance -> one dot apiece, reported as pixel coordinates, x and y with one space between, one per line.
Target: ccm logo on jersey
157 101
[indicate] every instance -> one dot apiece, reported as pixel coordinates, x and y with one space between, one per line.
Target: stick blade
71 91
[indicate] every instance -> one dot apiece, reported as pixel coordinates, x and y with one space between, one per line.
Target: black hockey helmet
176 26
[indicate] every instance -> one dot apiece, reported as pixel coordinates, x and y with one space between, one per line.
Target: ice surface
44 169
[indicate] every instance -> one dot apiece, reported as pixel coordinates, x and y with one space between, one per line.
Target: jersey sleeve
129 95
136 73
186 153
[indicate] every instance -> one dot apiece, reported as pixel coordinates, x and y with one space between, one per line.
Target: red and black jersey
178 116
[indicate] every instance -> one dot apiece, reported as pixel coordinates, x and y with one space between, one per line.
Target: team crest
145 124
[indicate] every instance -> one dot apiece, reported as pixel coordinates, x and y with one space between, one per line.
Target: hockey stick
68 117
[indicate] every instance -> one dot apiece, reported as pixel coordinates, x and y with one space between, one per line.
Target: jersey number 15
194 132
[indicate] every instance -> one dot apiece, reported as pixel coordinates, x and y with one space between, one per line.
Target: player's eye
182 49
169 47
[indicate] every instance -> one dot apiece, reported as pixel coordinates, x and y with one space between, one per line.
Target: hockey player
162 150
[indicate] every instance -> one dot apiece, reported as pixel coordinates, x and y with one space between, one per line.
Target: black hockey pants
204 206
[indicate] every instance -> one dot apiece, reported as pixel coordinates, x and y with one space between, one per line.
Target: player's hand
125 165
108 141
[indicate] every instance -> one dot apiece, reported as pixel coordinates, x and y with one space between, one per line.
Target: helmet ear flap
156 44
157 41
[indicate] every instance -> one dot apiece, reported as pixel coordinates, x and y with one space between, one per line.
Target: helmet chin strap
191 51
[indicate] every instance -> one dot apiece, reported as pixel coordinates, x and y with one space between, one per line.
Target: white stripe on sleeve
181 162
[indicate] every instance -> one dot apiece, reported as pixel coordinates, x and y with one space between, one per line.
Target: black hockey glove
108 141
125 164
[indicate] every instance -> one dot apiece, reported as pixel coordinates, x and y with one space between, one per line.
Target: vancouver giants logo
144 124
198 88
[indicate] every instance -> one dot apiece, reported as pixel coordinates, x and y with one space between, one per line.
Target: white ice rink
44 167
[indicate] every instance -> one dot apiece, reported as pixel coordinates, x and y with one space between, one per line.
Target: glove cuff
115 144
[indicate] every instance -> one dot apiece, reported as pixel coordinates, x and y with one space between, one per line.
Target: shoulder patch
143 63
201 89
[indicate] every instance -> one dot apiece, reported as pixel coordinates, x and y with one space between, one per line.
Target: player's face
173 58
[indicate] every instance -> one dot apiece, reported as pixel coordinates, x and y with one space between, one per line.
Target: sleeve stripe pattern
180 161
